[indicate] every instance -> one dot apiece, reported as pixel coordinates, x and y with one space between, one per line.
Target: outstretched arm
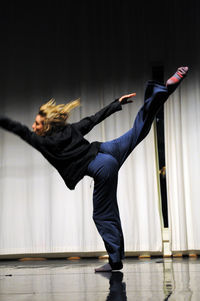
19 129
86 124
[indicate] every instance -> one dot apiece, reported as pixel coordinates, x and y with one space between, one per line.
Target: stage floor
64 280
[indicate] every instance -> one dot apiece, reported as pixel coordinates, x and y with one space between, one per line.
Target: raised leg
155 96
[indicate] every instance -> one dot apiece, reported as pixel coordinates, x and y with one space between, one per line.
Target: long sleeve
19 129
65 148
86 124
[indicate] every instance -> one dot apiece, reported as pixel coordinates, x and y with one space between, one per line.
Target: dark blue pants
104 169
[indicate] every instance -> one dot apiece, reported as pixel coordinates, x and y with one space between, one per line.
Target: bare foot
108 268
105 268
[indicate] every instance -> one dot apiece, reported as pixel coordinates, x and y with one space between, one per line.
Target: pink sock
176 79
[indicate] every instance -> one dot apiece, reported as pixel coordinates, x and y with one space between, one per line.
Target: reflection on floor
57 280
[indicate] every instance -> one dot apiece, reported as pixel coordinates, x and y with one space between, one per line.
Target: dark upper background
58 47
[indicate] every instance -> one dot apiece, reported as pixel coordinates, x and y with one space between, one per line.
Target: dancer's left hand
125 98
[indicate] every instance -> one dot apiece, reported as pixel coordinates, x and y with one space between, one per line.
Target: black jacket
65 147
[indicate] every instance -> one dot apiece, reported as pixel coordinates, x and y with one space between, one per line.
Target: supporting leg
104 170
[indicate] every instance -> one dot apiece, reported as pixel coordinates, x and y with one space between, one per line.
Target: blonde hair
56 115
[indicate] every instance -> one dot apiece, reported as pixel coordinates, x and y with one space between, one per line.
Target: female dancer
64 146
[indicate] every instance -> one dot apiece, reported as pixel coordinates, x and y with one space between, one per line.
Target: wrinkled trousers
105 167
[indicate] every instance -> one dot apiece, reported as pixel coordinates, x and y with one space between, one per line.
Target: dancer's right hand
126 98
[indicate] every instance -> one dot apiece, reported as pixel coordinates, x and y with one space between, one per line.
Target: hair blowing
56 115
